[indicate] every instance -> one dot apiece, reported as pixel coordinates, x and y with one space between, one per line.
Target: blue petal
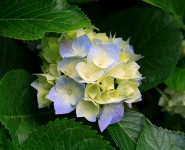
66 49
61 106
77 48
129 105
117 41
111 114
81 46
104 55
70 90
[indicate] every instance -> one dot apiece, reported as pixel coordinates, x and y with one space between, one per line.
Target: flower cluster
173 101
90 72
183 49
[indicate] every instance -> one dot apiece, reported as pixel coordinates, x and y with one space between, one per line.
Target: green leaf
154 138
154 35
176 80
18 106
31 19
14 56
5 143
181 62
175 7
80 1
126 132
65 134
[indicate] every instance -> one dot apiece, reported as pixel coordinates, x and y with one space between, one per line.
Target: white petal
67 66
131 70
88 110
35 84
134 97
117 71
89 72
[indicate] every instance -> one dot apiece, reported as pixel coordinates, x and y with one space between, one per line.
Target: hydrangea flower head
173 101
92 73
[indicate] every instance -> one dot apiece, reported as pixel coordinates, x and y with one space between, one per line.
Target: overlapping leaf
154 35
65 134
5 143
31 19
136 132
175 7
18 106
176 80
80 1
126 132
155 138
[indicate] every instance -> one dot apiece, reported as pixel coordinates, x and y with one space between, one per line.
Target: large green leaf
18 106
126 132
177 79
154 138
154 35
80 1
14 56
5 143
175 7
31 19
64 135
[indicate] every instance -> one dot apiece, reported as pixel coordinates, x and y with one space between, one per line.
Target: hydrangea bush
90 72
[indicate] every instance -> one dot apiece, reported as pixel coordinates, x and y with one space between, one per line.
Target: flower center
69 92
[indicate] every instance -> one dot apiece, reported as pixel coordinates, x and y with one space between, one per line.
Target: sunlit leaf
18 105
31 19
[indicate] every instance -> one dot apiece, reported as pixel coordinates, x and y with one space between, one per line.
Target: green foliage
175 7
127 131
155 138
31 19
154 35
18 106
5 143
65 134
134 131
14 56
80 1
176 80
